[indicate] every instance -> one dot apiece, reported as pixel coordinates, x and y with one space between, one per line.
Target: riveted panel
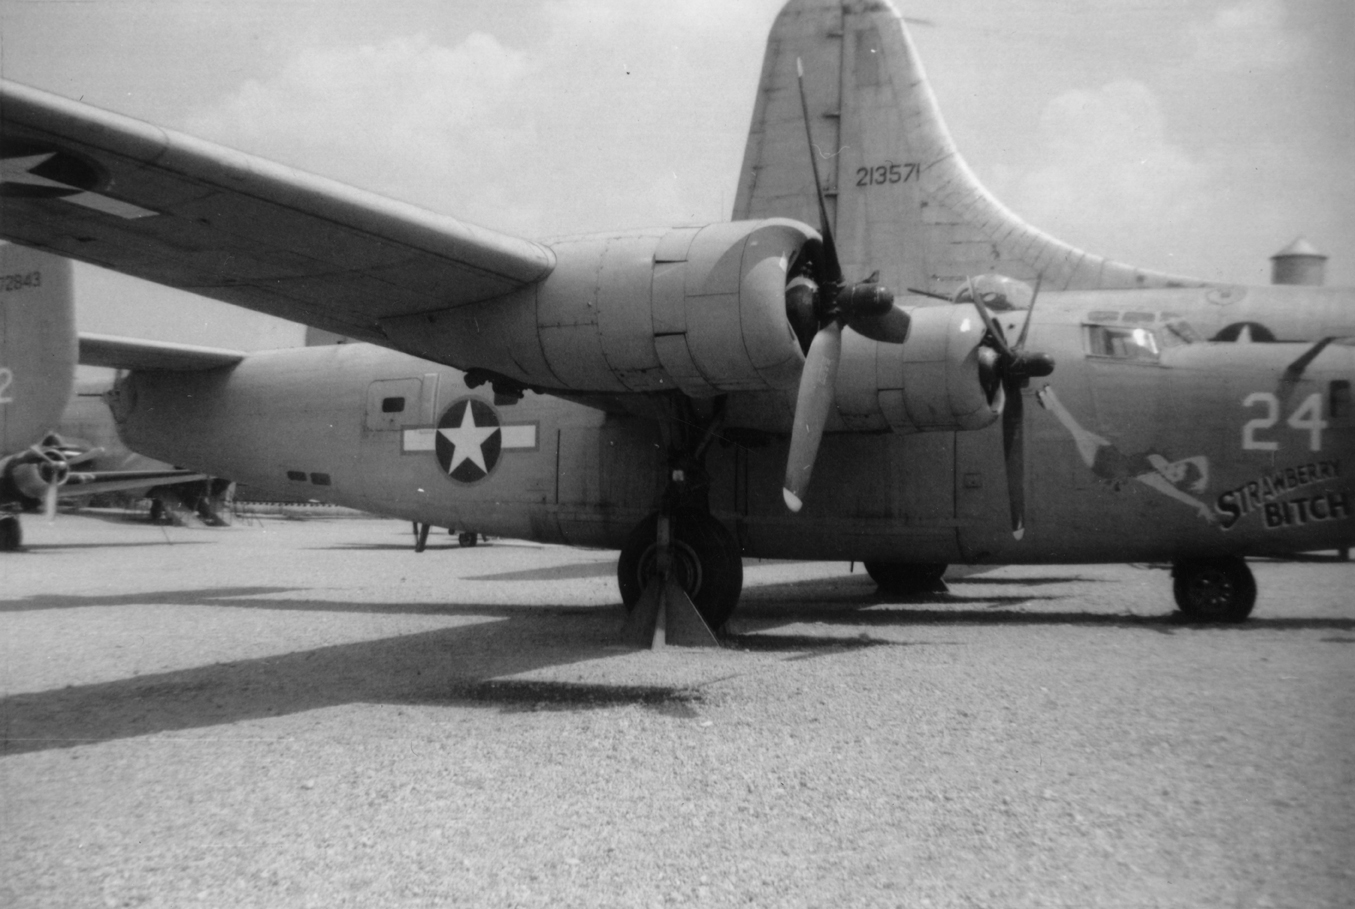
677 361
625 323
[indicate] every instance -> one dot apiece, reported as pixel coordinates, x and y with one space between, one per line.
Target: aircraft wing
102 481
129 353
123 194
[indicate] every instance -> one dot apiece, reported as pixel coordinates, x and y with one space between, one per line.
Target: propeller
1010 368
819 299
38 474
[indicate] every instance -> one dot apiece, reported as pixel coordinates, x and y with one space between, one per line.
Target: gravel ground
307 713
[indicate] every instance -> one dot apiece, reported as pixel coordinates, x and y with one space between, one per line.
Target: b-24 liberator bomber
874 360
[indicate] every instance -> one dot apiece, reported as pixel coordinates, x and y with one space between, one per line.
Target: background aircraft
680 341
37 364
37 361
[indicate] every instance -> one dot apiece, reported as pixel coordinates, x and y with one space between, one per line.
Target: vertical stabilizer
37 344
902 199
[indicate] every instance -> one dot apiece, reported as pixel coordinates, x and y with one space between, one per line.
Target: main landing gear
681 571
466 538
1214 590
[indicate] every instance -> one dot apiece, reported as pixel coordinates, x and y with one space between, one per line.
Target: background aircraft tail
37 344
901 198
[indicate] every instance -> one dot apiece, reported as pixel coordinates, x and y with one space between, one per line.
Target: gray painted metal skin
1146 448
931 496
37 345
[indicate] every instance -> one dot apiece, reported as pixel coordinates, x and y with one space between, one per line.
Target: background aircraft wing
129 353
123 194
105 481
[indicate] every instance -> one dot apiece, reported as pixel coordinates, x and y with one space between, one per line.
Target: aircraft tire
709 565
468 538
11 533
906 577
1214 590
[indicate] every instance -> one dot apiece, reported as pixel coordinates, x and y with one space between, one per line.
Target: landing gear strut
1214 590
11 534
680 571
703 558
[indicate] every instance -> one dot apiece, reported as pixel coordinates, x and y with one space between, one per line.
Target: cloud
1248 36
1104 168
565 135
406 117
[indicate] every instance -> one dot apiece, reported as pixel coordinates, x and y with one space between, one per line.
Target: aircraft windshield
998 292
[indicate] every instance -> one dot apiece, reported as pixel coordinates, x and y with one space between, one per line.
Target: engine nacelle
701 310
930 383
938 373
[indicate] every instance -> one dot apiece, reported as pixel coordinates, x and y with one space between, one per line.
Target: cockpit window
1122 343
1138 343
1178 332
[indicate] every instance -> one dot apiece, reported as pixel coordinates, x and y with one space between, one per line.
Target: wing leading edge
123 194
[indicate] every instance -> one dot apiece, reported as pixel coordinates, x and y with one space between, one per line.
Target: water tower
1298 263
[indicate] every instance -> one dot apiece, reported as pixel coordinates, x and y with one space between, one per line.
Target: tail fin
902 199
37 344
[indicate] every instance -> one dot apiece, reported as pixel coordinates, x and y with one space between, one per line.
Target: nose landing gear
1214 590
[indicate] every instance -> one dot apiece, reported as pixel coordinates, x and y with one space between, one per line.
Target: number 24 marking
1307 416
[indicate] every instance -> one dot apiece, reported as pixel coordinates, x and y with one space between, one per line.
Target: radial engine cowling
26 477
938 373
701 310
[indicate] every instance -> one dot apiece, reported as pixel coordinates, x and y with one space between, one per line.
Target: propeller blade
832 273
812 405
49 501
1014 452
1025 327
989 322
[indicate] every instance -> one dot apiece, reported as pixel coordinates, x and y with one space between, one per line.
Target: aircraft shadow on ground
1024 582
467 664
849 601
210 596
568 572
40 548
449 666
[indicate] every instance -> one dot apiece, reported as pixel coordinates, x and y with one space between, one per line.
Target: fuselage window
1121 343
392 405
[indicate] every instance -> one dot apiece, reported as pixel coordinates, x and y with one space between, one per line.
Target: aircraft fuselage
1145 444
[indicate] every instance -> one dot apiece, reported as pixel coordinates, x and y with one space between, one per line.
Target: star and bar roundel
30 170
469 439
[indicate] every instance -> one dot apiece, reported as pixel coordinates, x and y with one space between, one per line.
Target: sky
1192 136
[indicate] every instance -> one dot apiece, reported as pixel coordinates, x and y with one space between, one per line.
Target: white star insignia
468 441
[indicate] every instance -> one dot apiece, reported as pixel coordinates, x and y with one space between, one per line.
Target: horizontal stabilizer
129 353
